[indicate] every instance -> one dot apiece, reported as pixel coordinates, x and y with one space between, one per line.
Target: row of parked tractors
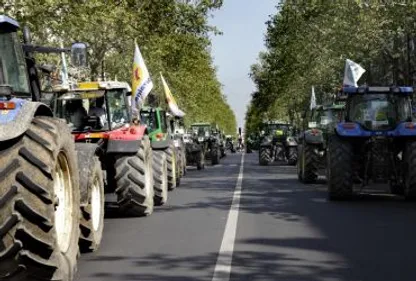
366 137
62 149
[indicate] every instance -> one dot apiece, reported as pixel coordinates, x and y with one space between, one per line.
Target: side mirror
79 54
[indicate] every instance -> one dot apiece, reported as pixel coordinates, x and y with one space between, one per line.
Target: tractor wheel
215 155
183 159
310 162
172 168
160 177
39 203
200 160
134 181
410 171
92 214
264 156
299 164
340 169
292 155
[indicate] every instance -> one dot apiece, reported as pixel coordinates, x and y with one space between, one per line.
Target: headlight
176 142
201 139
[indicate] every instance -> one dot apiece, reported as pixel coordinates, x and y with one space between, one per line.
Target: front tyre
160 176
310 162
340 170
265 155
410 170
292 155
39 203
134 181
172 167
92 214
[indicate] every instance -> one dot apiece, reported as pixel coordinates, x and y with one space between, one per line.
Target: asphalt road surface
258 223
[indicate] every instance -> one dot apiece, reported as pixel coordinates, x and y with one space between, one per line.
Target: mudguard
85 153
125 140
314 137
266 142
15 122
160 144
291 142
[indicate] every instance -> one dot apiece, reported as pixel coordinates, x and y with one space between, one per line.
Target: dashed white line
222 269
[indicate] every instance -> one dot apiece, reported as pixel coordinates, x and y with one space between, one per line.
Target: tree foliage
172 35
307 44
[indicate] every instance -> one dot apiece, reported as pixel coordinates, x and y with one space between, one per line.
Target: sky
243 25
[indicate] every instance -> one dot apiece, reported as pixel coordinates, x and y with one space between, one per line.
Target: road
284 231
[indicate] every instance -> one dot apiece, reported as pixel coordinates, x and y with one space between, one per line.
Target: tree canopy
173 36
307 44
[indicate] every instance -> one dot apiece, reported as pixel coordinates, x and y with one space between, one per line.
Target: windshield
329 117
379 111
12 64
150 119
89 111
271 128
201 130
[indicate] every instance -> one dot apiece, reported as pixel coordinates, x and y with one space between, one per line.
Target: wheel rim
96 205
63 211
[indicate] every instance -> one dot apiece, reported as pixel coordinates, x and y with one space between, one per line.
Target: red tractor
99 116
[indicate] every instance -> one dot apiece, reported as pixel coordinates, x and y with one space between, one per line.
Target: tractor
313 142
277 143
374 144
39 184
209 142
162 142
98 114
194 146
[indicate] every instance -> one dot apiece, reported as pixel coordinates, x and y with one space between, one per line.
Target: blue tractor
374 144
39 186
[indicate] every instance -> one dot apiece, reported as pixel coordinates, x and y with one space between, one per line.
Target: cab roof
378 89
7 24
107 85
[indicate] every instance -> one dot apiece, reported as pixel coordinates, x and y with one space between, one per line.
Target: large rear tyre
215 155
310 162
134 181
92 213
39 203
299 164
264 156
340 170
172 167
292 155
160 177
410 171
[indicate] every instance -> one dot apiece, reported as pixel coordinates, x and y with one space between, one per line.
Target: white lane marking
225 256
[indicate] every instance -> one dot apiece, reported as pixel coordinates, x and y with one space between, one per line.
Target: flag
141 83
173 106
352 73
313 99
64 70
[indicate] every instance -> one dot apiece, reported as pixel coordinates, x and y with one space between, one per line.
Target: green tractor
313 142
277 143
206 136
162 141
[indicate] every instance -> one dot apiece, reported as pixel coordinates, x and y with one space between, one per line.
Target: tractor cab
377 110
202 130
94 106
14 78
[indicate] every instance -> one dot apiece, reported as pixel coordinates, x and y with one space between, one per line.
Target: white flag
352 73
141 83
173 106
313 99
